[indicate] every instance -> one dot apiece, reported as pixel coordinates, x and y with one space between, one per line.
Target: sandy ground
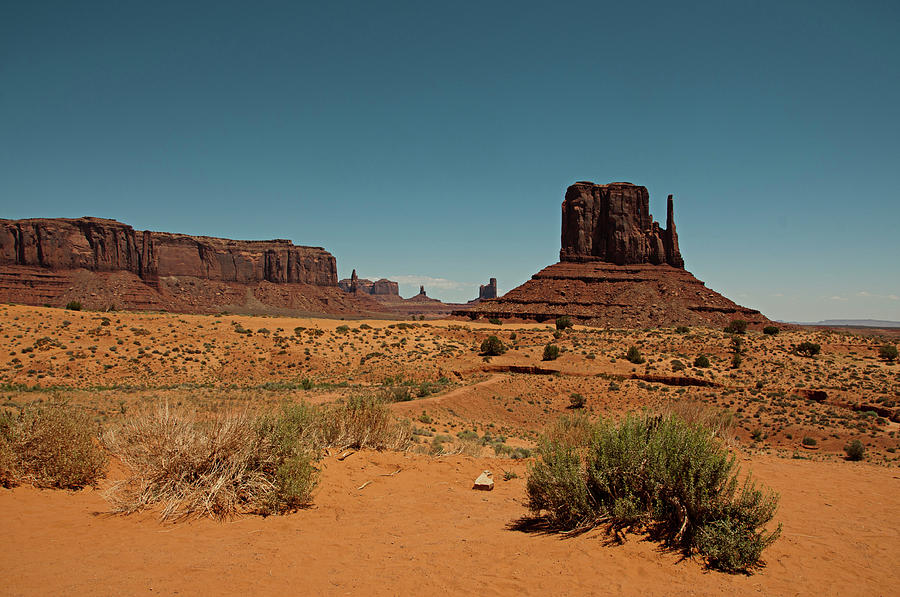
424 531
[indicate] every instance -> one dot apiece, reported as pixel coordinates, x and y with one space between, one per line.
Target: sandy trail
424 530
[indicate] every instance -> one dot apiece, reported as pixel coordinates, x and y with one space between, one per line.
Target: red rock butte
618 268
104 263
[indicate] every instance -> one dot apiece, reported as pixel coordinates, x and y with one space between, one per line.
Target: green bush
492 346
736 326
576 400
809 441
808 349
855 450
495 321
634 355
888 352
551 352
701 361
682 329
678 366
73 305
50 446
770 330
658 473
563 323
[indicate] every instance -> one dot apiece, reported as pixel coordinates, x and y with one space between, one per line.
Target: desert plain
408 521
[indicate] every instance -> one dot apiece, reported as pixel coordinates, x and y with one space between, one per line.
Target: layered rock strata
101 245
612 222
104 263
380 287
618 268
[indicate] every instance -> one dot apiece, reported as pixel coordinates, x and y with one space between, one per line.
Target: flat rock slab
484 482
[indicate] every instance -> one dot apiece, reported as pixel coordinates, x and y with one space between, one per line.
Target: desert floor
401 523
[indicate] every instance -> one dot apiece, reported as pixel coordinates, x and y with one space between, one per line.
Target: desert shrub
8 462
682 329
342 329
551 352
701 361
736 360
722 423
809 441
736 326
563 323
770 330
888 352
50 446
855 450
216 467
634 355
808 349
73 305
492 346
660 473
678 366
364 422
576 400
495 321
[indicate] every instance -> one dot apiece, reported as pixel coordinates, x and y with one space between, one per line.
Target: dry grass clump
722 423
50 445
218 467
239 462
364 422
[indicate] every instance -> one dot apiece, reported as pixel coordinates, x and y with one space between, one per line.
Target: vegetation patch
670 477
51 445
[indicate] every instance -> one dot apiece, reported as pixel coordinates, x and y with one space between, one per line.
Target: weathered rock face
612 223
104 263
380 287
107 246
489 290
617 268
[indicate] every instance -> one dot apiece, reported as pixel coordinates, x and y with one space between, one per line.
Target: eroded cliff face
618 268
380 287
107 246
612 223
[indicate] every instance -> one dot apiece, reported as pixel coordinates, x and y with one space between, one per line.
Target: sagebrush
660 473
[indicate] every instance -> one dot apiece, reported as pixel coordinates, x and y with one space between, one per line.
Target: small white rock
484 482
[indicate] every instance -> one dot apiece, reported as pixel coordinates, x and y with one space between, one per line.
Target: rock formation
103 262
612 223
489 290
618 268
102 245
380 287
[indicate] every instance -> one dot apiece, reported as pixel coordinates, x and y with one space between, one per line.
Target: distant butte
104 263
618 268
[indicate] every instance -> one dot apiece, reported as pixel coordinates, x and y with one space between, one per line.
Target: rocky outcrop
380 287
106 264
612 223
102 245
489 290
617 268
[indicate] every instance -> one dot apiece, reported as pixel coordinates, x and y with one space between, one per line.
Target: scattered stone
484 482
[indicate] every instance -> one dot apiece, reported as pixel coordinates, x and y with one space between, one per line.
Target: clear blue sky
420 140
